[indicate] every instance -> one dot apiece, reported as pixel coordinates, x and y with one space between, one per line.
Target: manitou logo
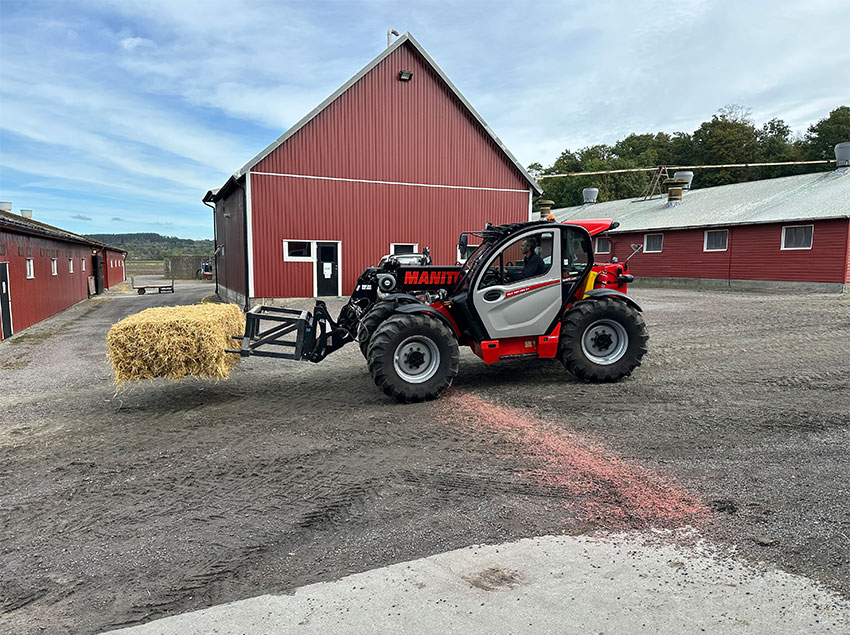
429 277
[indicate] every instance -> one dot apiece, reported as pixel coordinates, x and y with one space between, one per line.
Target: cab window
576 253
523 259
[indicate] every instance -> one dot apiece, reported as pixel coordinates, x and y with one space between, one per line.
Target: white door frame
314 258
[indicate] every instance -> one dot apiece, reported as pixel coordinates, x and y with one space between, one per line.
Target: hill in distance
152 246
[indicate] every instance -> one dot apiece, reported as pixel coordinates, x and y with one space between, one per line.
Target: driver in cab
533 264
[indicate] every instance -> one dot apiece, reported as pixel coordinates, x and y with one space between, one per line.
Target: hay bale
175 342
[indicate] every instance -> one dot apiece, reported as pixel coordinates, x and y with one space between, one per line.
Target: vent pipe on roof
685 175
842 154
390 35
545 209
589 195
26 213
5 206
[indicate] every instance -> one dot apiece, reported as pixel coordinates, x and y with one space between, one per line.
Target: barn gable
376 127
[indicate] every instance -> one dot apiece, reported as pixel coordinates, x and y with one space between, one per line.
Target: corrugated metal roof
803 197
399 42
14 222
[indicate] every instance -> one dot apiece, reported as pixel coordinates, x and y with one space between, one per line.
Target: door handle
492 295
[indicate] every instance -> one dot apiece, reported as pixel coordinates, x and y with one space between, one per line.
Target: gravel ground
168 497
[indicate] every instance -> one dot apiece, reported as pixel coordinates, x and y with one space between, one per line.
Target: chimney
26 213
545 208
589 195
6 206
842 154
685 175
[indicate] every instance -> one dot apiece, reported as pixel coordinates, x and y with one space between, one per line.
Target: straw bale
175 342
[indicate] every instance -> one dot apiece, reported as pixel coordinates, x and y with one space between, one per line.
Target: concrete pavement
553 584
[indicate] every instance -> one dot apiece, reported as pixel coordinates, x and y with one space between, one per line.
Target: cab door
516 300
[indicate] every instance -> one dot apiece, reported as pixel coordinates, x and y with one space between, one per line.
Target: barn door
327 269
97 270
5 302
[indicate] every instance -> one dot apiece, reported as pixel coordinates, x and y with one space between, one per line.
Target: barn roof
21 224
406 38
804 197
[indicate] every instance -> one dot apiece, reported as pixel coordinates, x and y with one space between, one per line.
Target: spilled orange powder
600 488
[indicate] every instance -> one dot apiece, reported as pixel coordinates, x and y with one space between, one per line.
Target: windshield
474 258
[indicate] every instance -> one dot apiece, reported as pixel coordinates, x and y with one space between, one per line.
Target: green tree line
152 246
730 136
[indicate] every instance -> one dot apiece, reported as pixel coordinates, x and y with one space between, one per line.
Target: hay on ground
176 342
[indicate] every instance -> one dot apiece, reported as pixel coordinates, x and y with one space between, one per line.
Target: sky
117 116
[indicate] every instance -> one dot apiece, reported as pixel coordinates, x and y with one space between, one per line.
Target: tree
823 136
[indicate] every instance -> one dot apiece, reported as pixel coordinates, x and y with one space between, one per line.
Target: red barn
786 233
394 161
45 270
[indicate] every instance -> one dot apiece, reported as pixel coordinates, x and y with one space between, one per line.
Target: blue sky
117 116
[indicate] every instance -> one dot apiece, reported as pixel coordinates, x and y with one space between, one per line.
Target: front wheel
413 357
602 340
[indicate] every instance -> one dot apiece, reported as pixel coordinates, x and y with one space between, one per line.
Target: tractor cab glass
576 250
523 259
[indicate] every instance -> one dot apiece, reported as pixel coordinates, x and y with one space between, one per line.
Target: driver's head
528 245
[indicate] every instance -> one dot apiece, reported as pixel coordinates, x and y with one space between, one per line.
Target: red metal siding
113 268
35 299
366 218
230 233
753 254
385 129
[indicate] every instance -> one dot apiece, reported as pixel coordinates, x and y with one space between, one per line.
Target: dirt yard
166 497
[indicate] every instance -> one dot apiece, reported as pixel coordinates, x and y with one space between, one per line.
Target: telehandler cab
527 290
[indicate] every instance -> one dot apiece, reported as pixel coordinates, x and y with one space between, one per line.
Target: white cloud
130 43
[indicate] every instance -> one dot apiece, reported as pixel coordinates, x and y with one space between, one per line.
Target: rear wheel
413 357
373 318
602 340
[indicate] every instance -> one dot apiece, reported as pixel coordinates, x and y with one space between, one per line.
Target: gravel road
172 496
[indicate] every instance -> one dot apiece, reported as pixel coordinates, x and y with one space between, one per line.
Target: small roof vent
687 176
26 213
5 206
589 194
842 154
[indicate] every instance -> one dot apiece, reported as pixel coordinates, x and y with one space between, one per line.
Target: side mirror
462 242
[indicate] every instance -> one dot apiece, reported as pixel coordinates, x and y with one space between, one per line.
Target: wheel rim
604 342
416 359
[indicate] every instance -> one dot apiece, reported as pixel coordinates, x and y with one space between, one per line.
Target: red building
45 270
786 233
395 160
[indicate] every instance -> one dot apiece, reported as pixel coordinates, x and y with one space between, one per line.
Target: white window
70 265
464 254
404 248
30 269
797 236
716 240
297 251
652 243
603 245
53 270
82 264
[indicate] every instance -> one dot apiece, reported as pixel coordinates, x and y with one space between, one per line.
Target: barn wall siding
113 267
366 218
753 253
36 299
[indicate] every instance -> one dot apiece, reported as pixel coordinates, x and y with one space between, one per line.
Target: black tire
427 357
373 318
602 340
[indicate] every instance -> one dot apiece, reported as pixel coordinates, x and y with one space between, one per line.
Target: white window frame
782 246
54 268
313 256
30 269
599 251
70 265
394 245
82 264
310 258
705 239
646 236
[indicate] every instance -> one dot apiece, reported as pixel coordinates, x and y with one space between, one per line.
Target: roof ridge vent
590 194
6 206
842 157
26 213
